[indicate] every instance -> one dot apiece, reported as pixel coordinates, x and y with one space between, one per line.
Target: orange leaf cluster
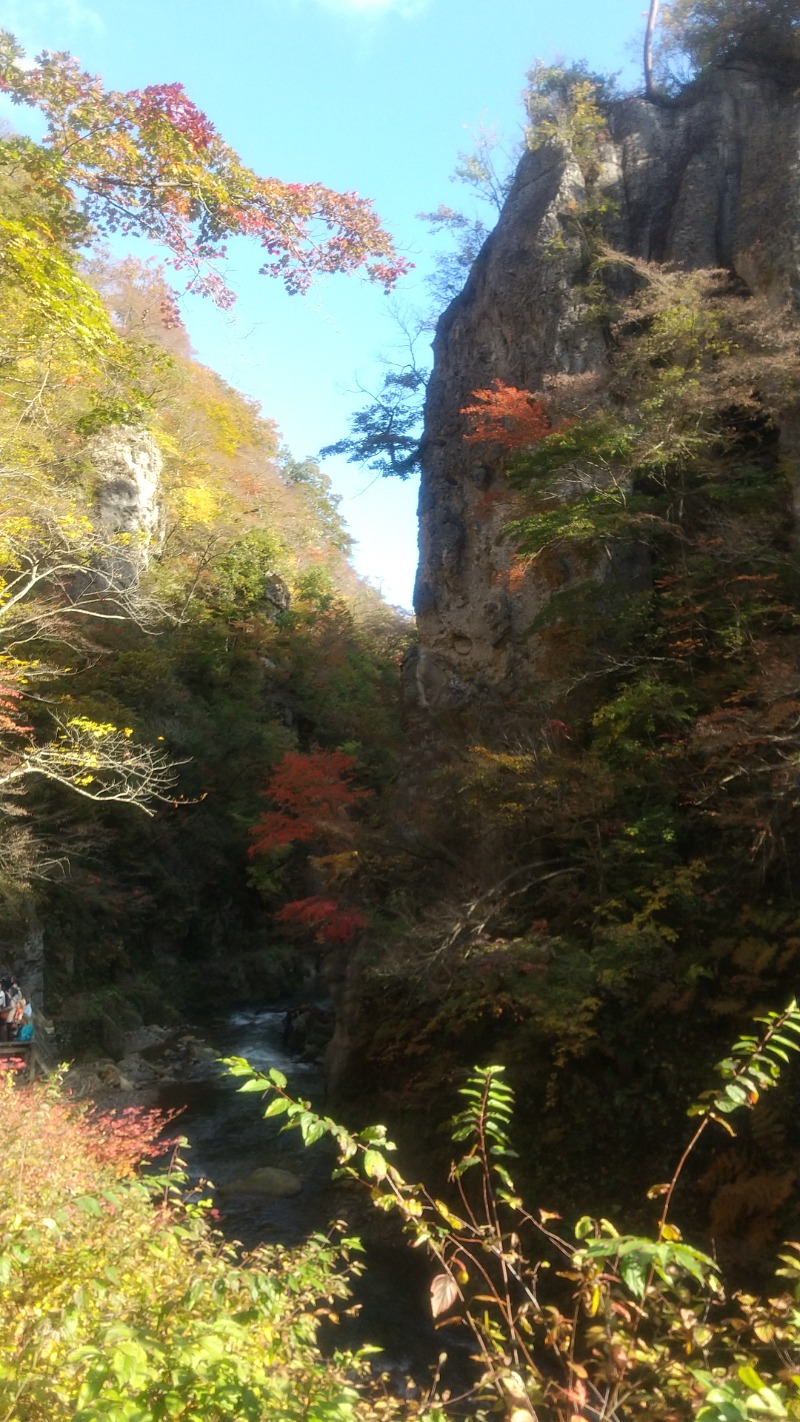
506 416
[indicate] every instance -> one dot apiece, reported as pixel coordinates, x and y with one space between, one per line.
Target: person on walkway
16 1017
11 996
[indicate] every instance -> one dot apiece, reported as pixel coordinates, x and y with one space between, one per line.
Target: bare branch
99 762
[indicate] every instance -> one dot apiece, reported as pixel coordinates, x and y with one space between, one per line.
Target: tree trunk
652 16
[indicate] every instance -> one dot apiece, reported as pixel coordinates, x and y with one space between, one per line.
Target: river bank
179 1071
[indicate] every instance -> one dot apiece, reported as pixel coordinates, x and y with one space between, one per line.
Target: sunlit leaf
444 1293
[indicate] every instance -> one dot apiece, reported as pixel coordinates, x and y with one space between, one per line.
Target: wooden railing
34 1063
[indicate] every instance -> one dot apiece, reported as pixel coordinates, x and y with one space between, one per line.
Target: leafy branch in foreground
606 1325
98 761
149 163
385 434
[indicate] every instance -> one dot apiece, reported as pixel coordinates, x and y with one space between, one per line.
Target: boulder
135 1069
142 1039
93 1078
269 1180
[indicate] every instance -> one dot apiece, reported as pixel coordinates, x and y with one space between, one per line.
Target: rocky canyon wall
707 180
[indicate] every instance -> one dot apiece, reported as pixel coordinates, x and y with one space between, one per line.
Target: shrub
606 1324
710 31
119 1304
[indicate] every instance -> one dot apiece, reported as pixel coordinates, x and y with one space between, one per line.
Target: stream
228 1138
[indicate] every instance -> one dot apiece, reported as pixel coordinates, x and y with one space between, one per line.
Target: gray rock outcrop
268 1180
27 960
128 466
711 179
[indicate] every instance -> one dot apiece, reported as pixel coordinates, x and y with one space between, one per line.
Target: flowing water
229 1138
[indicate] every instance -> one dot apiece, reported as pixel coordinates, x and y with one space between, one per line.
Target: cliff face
709 180
128 466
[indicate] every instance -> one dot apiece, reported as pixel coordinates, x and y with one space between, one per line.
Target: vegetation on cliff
616 838
701 33
176 606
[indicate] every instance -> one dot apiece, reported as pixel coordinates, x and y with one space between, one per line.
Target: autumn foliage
81 1140
506 416
326 918
10 699
119 1304
148 163
313 792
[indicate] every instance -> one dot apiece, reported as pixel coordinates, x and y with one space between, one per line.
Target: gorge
547 845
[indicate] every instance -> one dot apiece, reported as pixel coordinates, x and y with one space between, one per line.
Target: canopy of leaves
150 163
707 32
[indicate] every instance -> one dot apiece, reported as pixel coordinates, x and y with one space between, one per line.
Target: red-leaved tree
505 416
70 1139
10 709
326 919
314 793
149 163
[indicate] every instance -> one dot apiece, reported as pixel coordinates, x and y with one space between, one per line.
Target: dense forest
546 871
178 611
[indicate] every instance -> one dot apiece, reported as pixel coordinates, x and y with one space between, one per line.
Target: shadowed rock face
709 180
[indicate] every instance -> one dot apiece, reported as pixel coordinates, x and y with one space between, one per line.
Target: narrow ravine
228 1139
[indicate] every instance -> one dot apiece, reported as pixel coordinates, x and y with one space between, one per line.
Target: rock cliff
710 179
128 466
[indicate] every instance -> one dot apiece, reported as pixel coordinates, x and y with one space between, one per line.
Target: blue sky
376 96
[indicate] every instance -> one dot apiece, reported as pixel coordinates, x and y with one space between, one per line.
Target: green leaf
465 1164
374 1165
737 1093
768 1401
750 1378
634 1270
277 1106
88 1205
